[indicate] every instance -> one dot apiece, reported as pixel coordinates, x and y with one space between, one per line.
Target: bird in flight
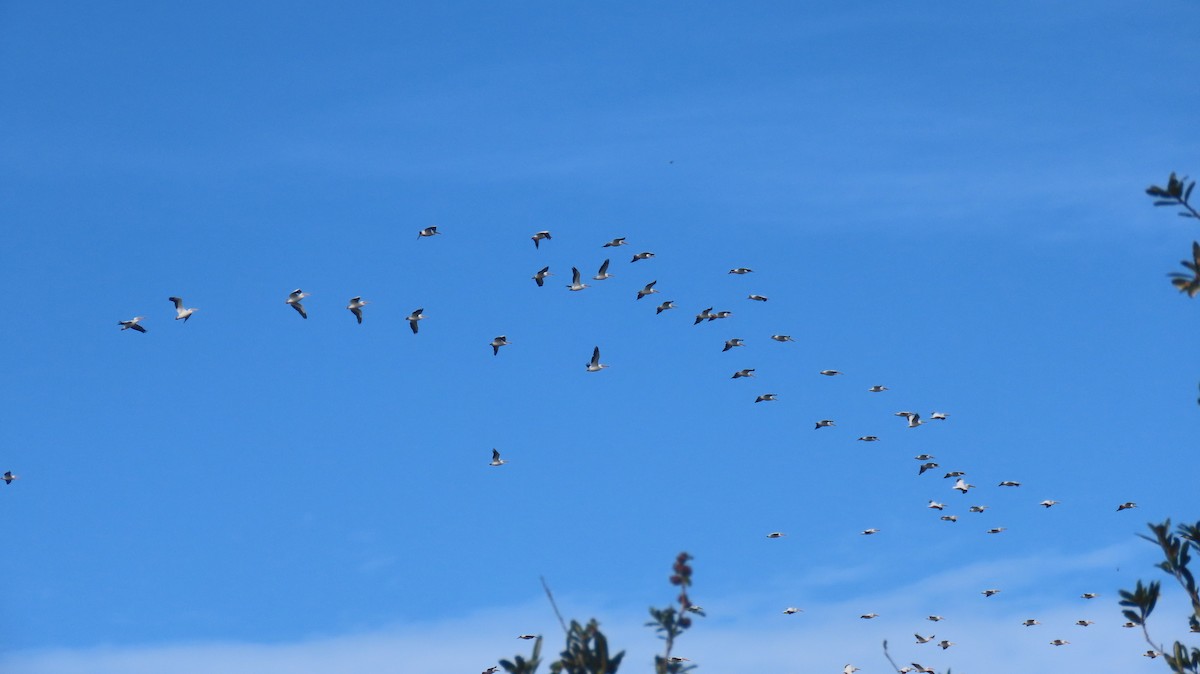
988 593
869 616
849 669
731 343
540 277
1059 642
648 290
925 640
181 312
428 231
766 397
869 532
1088 595
642 256
720 314
944 643
877 389
615 242
924 457
1124 506
869 438
575 283
823 423
936 506
829 373
594 365
603 273
782 338
926 466
9 476
934 618
669 304
497 343
293 301
940 416
776 534
1049 503
914 419
526 636
997 530
415 316
1009 483
962 486
740 271
537 238
496 460
949 518
977 509
1030 622
953 473
1084 623
133 324
792 609
703 316
757 298
355 307
749 372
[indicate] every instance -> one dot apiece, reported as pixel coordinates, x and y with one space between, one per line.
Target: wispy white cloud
987 633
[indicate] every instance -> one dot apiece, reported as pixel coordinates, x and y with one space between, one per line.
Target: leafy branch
671 623
1177 548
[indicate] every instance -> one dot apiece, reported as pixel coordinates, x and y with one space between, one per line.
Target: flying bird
648 290
997 530
962 486
703 316
949 518
720 314
428 231
988 593
669 304
1084 623
869 438
1124 506
355 307
782 338
181 312
749 372
925 640
415 316
829 373
849 669
1009 483
497 343
740 270
869 532
496 460
757 298
9 476
953 473
642 256
924 457
776 534
293 301
594 365
575 283
540 277
823 423
869 616
615 242
926 466
792 609
977 509
537 238
1030 622
1088 595
766 397
914 419
936 506
731 343
935 618
877 389
945 644
526 636
132 324
940 416
603 273
1059 642
1048 503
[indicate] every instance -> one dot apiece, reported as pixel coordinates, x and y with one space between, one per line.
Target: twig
889 656
554 605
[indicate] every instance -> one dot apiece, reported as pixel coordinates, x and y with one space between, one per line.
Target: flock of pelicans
913 419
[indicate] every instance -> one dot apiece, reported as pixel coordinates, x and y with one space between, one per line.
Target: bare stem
554 605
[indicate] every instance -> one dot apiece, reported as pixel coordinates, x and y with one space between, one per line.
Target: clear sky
943 198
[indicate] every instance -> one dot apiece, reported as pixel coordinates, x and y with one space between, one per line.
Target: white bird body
575 282
757 298
766 397
594 365
1048 503
869 438
792 609
776 534
133 324
496 460
181 312
925 640
869 616
428 231
936 506
877 389
962 486
823 423
1009 483
355 307
740 271
293 301
498 342
9 476
940 416
603 273
782 338
869 532
615 243
414 317
743 373
830 373
1030 622
988 593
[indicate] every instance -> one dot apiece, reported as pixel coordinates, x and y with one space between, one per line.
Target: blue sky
942 199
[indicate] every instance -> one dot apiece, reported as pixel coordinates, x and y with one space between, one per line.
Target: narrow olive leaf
1165 202
1156 191
1188 192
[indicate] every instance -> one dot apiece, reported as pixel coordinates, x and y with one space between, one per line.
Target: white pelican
575 284
415 316
9 476
869 616
977 509
293 301
869 438
496 460
869 532
1088 595
537 238
757 298
743 373
603 273
1124 506
929 465
1009 483
642 256
877 389
766 397
829 373
997 530
181 312
944 643
740 270
526 636
497 343
792 609
962 486
823 423
540 277
849 669
720 314
669 304
1084 623
953 473
355 307
428 231
924 457
940 416
731 343
949 518
776 534
1059 642
1030 622
616 242
936 506
1048 503
935 618
782 338
988 593
925 640
132 324
595 365
703 316
648 290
